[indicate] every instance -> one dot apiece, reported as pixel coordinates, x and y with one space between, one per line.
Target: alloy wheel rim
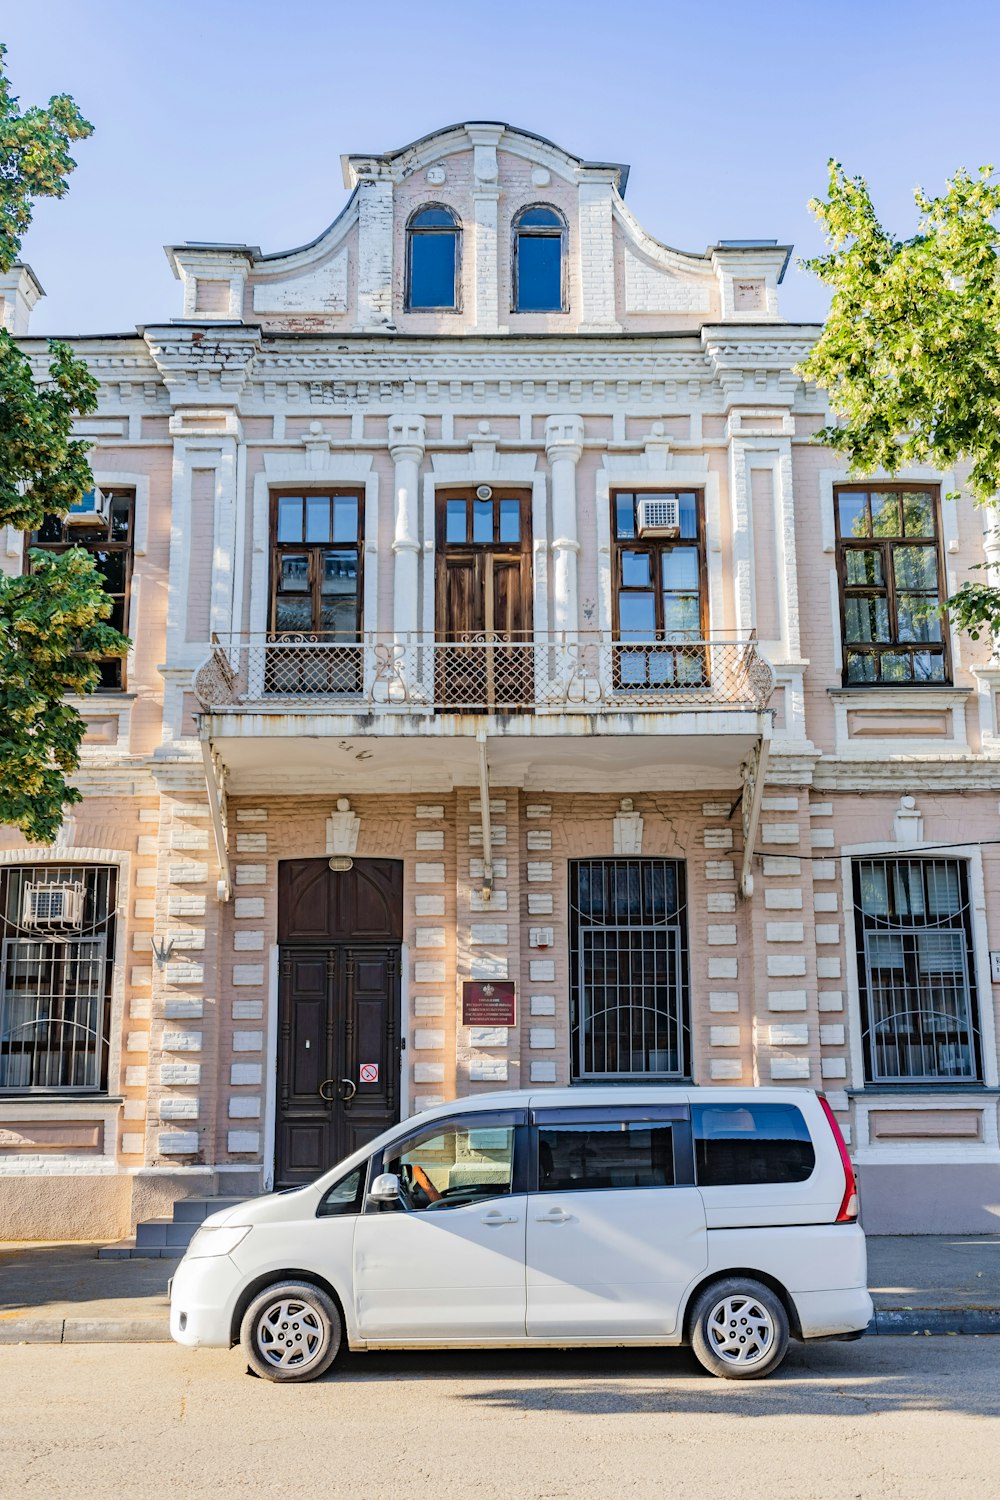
741 1330
289 1334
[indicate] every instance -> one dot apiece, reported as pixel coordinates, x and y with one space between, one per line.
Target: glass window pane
317 518
482 521
853 508
294 574
896 667
915 568
625 516
863 566
293 613
944 892
539 273
111 566
52 530
289 518
452 1165
918 514
635 570
687 506
861 666
885 514
432 270
595 1157
918 617
339 573
866 618
751 1143
345 518
928 666
433 218
681 617
345 1197
680 568
510 520
637 615
455 521
121 507
541 218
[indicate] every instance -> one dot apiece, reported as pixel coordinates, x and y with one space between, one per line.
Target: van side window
452 1163
574 1158
750 1143
345 1196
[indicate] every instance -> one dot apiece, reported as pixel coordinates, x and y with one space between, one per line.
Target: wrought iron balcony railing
494 674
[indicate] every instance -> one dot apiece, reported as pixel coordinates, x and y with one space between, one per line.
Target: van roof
581 1096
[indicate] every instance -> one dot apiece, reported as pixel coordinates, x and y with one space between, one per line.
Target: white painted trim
140 519
634 474
270 1069
985 1009
404 1031
333 468
900 699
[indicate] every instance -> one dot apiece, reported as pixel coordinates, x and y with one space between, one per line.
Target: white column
406 448
563 447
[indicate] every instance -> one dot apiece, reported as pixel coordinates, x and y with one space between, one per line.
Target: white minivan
721 1218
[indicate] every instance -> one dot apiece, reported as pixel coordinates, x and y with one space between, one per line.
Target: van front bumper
203 1296
826 1315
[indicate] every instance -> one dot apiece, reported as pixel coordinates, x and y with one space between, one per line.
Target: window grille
629 969
916 970
55 979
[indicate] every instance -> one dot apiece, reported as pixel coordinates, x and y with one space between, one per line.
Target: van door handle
554 1216
496 1217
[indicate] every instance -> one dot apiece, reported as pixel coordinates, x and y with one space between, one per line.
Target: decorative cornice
209 364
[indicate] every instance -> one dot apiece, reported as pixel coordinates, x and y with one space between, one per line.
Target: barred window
891 584
102 524
629 969
57 927
916 970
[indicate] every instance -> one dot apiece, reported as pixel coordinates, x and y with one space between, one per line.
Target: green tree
910 353
51 621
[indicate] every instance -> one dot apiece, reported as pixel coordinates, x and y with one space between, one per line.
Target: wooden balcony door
483 600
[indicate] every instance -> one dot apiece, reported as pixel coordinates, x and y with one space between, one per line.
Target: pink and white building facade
518 696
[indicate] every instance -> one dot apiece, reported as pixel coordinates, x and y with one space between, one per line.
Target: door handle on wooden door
347 1083
327 1083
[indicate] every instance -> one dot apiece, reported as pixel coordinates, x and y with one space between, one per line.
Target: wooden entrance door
483 600
338 1011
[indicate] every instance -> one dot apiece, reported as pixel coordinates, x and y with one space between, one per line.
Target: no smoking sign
368 1073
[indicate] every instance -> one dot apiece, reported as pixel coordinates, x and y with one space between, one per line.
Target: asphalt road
914 1417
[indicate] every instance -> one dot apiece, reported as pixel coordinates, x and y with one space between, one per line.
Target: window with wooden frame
103 525
433 260
660 594
317 564
891 574
539 260
483 605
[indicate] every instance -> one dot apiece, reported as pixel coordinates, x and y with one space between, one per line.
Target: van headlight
216 1239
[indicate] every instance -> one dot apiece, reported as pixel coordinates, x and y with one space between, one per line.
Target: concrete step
194 1210
167 1239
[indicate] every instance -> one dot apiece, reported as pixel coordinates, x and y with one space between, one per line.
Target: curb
935 1320
85 1331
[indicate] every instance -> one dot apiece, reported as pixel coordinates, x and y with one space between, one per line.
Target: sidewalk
62 1294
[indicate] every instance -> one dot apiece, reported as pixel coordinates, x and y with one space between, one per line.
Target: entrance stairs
167 1239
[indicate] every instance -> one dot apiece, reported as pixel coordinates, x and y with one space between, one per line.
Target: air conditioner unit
54 905
658 516
92 506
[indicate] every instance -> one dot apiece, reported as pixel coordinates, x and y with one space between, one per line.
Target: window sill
46 1100
863 692
907 1090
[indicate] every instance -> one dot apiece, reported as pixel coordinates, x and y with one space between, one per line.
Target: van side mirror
385 1188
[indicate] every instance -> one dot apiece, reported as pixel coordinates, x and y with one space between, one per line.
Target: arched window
432 260
539 235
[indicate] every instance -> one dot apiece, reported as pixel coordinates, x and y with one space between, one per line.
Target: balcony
578 711
589 674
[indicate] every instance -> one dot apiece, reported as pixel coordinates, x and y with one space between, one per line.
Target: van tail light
848 1211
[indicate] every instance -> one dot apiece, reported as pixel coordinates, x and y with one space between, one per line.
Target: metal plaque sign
368 1072
489 1002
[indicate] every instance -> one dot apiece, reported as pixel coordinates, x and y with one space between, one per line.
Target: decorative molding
627 829
342 829
907 823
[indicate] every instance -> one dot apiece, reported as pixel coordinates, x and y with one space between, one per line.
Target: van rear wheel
739 1329
291 1332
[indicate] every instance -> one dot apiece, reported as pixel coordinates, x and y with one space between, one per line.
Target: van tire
739 1329
291 1332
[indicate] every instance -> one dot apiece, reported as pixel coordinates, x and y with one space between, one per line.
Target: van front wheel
739 1329
291 1332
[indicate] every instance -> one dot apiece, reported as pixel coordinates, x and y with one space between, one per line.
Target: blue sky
226 119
